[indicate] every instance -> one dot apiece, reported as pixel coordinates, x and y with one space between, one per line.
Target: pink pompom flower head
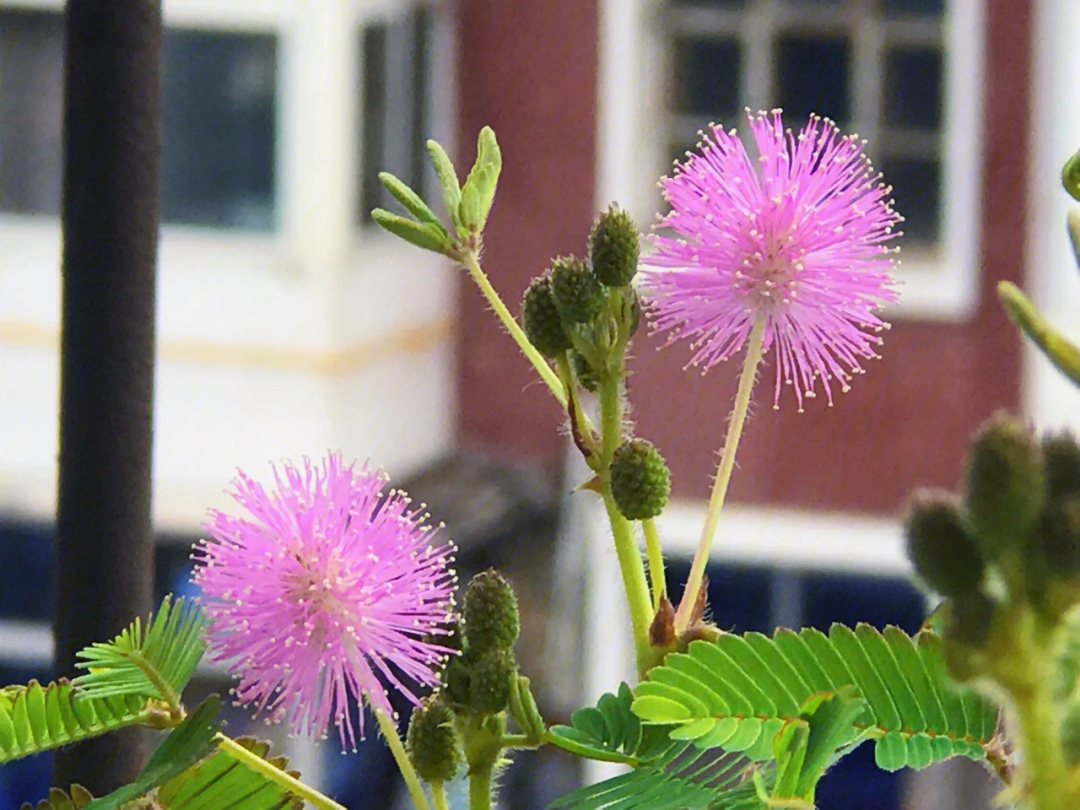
800 239
330 590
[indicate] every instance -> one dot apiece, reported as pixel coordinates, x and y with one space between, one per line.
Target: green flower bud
490 676
456 683
1059 535
578 295
540 318
583 372
1062 459
432 742
613 248
969 619
490 612
640 481
1006 484
940 548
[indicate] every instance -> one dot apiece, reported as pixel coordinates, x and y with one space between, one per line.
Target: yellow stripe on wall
363 354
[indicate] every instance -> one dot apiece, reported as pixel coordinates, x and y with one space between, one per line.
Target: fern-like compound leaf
35 718
668 773
221 781
738 692
157 662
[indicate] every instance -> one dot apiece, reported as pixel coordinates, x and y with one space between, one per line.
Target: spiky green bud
541 320
490 612
578 295
943 553
1062 459
970 619
1006 484
1059 535
613 247
640 481
456 682
432 742
583 372
489 677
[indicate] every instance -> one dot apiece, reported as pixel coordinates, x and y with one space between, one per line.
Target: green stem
1025 670
656 561
626 549
520 741
438 796
275 774
723 474
412 782
469 262
480 789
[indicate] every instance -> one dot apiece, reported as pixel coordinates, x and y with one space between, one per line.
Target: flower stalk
412 782
723 473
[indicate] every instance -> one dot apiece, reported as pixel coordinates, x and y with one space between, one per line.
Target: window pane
913 87
812 76
219 120
218 150
707 76
917 190
31 108
396 62
913 6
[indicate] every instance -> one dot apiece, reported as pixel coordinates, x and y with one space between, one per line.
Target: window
395 62
219 108
906 75
876 68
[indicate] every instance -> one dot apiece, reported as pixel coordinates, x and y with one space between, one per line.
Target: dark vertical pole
112 134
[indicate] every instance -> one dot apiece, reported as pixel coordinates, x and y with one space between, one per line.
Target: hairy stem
438 796
480 789
275 774
723 473
1024 667
470 263
656 561
412 782
626 549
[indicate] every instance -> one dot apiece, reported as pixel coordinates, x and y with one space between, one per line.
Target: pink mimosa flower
327 591
799 237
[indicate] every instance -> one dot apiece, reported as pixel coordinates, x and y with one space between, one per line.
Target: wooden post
112 137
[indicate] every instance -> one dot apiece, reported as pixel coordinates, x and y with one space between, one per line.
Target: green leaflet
1058 349
59 800
221 781
741 689
155 664
189 742
668 774
35 718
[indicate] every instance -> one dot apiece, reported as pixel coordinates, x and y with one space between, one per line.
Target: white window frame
317 150
632 149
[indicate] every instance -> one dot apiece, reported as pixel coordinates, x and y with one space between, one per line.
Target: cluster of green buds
1007 558
583 312
465 721
1014 537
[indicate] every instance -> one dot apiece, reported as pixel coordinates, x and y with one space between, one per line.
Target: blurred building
288 324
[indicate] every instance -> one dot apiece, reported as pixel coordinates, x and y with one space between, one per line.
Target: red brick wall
531 74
